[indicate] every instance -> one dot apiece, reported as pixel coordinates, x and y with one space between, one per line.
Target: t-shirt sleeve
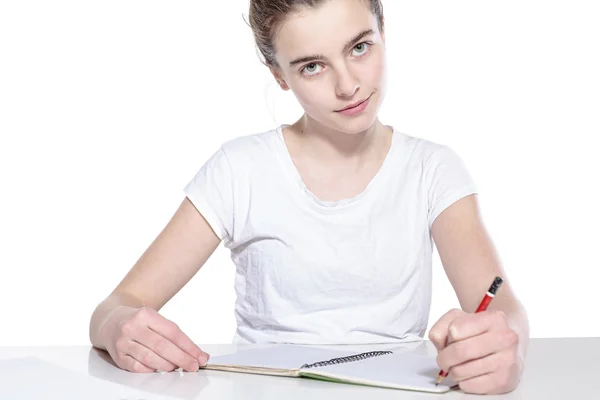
448 181
211 192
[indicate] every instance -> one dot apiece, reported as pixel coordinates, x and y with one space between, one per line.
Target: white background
108 108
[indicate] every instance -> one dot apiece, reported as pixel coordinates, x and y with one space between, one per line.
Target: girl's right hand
142 340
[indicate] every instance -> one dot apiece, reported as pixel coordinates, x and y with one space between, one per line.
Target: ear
279 78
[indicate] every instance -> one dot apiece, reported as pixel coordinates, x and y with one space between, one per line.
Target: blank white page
398 369
282 356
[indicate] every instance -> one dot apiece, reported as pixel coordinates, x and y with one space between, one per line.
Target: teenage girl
331 221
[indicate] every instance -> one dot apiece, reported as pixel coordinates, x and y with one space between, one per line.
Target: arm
171 260
471 263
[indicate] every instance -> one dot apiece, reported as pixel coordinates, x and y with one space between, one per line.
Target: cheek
312 97
377 72
376 79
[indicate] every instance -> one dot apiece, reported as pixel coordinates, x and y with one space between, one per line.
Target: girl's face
332 57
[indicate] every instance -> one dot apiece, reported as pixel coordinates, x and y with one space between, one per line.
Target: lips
353 105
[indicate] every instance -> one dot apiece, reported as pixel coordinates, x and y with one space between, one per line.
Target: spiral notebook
387 369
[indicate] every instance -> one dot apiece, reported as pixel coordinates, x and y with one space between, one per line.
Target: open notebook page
280 356
401 370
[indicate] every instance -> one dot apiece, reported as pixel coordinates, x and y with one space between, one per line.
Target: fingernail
203 360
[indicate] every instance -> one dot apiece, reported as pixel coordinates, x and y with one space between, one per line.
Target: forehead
323 29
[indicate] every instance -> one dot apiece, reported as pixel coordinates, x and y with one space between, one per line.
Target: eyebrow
347 47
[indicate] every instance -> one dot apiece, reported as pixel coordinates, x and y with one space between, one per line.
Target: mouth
355 105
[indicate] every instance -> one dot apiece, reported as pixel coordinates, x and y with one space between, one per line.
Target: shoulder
249 144
248 149
424 152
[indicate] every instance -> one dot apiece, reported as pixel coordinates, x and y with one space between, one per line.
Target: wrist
99 336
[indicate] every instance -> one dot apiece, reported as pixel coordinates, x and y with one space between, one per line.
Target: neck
325 143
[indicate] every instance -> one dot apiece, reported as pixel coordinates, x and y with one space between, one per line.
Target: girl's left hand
479 351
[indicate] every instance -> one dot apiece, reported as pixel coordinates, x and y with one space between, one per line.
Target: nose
347 84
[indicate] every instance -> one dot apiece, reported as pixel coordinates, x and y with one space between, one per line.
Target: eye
361 48
311 69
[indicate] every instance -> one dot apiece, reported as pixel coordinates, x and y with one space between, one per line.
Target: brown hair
266 16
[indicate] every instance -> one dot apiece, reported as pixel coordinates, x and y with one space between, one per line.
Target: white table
565 368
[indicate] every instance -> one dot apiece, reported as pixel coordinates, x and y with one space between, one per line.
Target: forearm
104 310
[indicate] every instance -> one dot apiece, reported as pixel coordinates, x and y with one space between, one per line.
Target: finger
167 350
482 366
482 384
469 325
171 331
129 363
475 347
438 334
492 383
148 357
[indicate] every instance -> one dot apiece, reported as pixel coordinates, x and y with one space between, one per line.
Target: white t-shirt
310 271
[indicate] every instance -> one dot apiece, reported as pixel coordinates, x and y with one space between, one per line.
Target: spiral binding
346 359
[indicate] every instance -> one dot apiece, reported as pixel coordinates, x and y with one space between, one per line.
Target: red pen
491 293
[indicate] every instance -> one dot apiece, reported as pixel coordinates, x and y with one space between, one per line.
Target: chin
355 124
356 127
